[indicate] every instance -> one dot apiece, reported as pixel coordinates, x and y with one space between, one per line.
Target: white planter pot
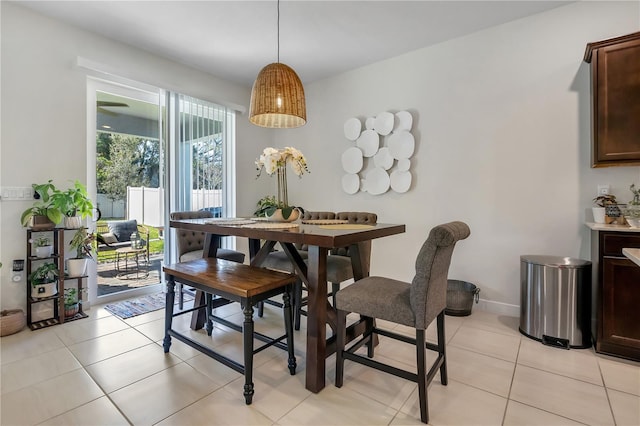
73 222
277 216
598 214
45 251
44 290
76 267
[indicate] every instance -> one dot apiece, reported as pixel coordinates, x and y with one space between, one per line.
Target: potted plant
71 303
632 211
599 210
43 214
275 161
74 203
43 247
83 244
44 281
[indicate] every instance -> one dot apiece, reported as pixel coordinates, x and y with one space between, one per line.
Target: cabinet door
616 102
618 330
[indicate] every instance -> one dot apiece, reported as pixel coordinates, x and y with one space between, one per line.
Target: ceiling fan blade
111 104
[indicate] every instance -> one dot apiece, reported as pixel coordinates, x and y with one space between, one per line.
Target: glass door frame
138 91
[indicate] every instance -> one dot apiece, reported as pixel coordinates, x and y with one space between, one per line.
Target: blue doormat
142 305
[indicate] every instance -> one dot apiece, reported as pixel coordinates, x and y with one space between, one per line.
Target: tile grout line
513 376
606 391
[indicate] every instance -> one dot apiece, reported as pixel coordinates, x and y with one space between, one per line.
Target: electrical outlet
603 189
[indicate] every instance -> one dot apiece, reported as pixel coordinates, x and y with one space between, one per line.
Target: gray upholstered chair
190 244
414 304
279 261
339 268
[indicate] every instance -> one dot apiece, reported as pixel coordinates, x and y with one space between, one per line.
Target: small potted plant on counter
632 211
599 210
83 244
44 281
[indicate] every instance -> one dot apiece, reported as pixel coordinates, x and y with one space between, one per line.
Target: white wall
501 120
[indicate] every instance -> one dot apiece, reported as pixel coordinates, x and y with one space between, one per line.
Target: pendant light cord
278 31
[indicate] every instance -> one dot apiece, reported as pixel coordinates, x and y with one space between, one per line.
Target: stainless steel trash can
555 300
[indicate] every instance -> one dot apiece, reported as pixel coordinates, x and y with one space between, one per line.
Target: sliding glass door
151 152
129 182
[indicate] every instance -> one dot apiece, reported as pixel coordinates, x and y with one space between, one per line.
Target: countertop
633 254
618 228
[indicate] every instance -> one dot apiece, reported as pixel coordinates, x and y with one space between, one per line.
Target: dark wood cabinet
618 297
615 97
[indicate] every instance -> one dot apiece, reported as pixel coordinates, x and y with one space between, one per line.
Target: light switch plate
16 193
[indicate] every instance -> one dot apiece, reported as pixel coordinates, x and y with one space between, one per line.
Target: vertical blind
205 148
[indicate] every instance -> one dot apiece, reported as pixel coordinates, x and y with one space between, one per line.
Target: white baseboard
498 308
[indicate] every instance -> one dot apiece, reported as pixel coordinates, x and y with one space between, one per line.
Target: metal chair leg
341 331
422 375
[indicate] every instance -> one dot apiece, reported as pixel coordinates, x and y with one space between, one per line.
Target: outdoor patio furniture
116 234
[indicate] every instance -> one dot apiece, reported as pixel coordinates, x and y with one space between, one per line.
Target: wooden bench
236 282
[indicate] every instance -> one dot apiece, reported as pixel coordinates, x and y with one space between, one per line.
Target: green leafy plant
42 242
636 195
74 201
44 206
268 205
604 200
83 243
46 273
70 296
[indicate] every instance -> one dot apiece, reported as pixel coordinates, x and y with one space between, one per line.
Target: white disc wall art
404 121
368 142
351 183
386 142
352 128
377 181
404 164
352 160
383 123
369 122
401 144
383 158
400 181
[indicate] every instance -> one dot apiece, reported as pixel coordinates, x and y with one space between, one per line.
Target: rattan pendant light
277 97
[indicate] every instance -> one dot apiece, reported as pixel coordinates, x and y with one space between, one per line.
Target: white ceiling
235 39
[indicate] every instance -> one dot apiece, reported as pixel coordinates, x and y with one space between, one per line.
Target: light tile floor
106 371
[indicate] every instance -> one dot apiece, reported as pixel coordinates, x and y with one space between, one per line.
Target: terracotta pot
40 223
71 310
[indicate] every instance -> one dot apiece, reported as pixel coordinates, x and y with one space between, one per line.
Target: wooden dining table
319 239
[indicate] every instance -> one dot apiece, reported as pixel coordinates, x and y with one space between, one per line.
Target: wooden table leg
316 319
